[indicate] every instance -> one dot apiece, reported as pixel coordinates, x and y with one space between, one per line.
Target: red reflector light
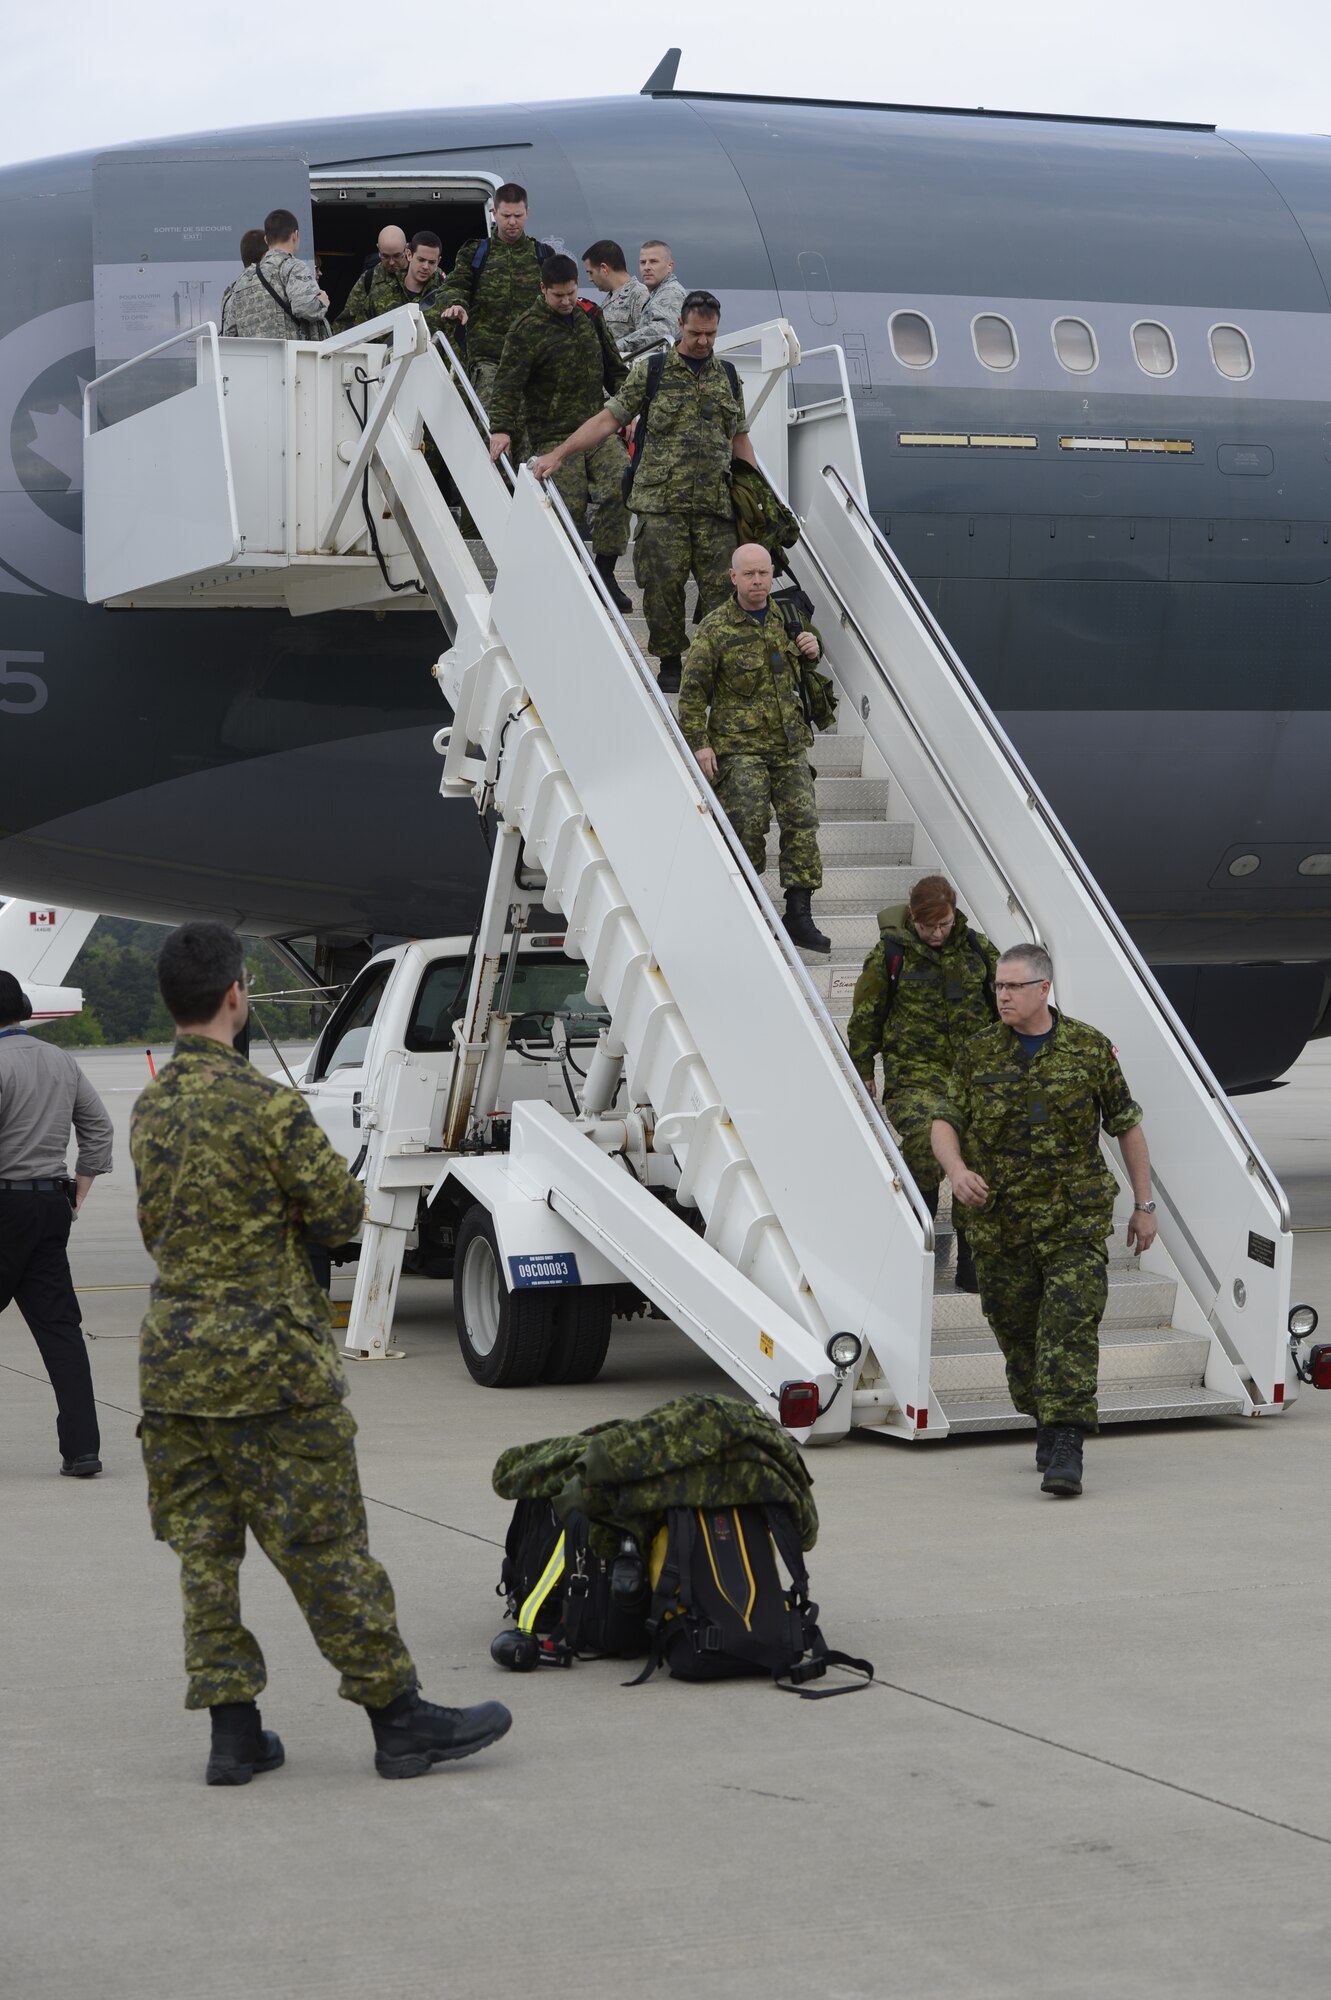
797 1405
923 1420
1278 1393
1319 1367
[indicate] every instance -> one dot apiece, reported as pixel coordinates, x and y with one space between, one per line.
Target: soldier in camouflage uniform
681 490
742 715
1017 1133
558 366
926 988
244 1424
386 288
486 301
665 298
279 297
626 297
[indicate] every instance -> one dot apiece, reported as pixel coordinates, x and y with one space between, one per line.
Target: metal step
1134 1405
1164 1356
845 797
854 891
843 841
1136 1299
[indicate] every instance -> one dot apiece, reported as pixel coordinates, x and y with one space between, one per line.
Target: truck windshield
545 984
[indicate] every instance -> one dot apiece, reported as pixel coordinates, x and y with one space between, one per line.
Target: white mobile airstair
723 1157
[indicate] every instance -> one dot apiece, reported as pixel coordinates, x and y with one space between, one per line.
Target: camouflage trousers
667 550
753 788
1044 1303
910 1113
596 479
290 1477
481 375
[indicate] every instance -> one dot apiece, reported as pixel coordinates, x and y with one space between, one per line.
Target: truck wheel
503 1335
581 1335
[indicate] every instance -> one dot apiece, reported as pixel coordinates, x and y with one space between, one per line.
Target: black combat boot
1063 1472
241 1745
411 1734
605 569
965 1279
1044 1446
667 677
800 926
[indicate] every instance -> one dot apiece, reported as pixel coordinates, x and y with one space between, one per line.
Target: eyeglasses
1014 985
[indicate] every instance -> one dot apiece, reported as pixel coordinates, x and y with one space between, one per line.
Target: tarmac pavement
1095 1762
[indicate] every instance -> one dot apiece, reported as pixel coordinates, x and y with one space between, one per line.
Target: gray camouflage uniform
249 313
660 317
622 311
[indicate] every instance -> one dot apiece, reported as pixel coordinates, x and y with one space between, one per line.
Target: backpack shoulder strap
733 373
479 256
276 296
544 250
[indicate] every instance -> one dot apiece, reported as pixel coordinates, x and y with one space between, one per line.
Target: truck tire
581 1334
503 1335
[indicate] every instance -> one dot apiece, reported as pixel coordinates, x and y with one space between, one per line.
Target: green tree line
117 971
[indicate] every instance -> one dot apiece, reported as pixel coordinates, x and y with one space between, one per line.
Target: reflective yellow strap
550 1576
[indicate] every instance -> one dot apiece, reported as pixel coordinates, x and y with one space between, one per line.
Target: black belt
36 1187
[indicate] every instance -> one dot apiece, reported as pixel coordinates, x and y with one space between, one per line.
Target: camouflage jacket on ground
623 310
659 320
697 1451
944 995
252 314
691 428
1030 1126
383 290
233 1176
556 371
740 688
507 285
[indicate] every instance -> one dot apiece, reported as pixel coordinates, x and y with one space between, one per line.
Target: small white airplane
38 944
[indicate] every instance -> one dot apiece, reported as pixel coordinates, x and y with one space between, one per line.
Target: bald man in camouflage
244 1419
743 716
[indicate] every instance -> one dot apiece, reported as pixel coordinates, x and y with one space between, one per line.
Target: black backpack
638 435
566 1601
482 251
720 1607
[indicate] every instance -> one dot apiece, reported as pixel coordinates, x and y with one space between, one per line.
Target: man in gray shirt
279 298
626 297
43 1091
665 297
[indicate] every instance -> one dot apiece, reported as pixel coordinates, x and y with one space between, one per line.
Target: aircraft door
167 223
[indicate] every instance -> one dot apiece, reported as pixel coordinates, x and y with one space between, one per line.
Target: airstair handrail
794 963
209 327
1054 828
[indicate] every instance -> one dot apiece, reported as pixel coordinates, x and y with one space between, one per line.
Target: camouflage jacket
1030 1125
251 314
383 290
691 428
944 995
623 310
740 688
507 285
697 1451
556 370
658 324
233 1175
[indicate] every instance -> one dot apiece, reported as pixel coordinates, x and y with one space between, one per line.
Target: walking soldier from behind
558 366
926 988
43 1091
279 298
693 425
1018 1135
244 1424
743 713
495 280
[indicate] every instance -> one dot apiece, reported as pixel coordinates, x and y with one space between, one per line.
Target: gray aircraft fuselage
1090 364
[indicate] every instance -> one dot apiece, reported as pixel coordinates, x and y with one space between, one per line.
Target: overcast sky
81 75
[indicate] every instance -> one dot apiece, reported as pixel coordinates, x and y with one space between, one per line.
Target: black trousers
34 1273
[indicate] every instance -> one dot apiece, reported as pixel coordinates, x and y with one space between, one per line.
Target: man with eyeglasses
244 1419
1018 1136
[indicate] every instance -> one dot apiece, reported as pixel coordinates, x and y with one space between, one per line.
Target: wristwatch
1146 1207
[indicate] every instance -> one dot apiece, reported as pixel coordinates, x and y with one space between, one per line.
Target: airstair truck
720 1155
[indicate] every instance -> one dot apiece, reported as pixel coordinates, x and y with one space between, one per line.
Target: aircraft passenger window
912 340
1074 344
995 340
1231 353
1153 346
